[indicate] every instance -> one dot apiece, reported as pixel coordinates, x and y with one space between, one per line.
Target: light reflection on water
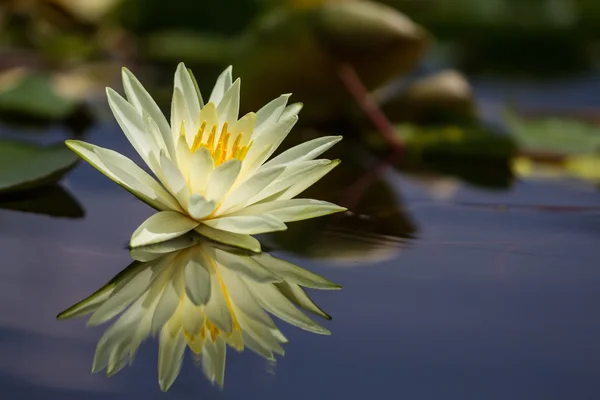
484 303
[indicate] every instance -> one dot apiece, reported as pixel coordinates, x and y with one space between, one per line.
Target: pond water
492 295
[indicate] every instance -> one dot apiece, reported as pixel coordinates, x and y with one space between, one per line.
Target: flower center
220 147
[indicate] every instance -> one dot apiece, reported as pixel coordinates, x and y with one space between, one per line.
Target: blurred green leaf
50 200
557 136
25 165
31 94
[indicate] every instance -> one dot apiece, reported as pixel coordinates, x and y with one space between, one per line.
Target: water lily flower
199 295
213 168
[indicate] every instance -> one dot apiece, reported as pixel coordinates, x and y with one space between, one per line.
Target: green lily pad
26 165
558 136
48 200
31 94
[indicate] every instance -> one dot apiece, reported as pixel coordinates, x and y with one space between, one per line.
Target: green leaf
559 136
49 200
31 94
26 165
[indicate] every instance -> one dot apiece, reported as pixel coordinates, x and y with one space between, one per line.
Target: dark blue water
485 302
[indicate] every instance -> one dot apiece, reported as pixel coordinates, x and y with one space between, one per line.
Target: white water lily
202 296
212 169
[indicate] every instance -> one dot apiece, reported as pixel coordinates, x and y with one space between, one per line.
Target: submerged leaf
26 165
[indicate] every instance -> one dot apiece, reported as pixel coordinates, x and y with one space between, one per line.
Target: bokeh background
471 166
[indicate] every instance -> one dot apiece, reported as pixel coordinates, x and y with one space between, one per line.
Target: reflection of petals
202 295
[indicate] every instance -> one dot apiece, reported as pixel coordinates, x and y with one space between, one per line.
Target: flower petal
209 115
221 86
174 180
221 180
197 277
245 266
162 226
250 188
213 361
292 174
229 238
273 138
143 102
170 357
126 173
122 298
181 117
229 106
308 180
201 168
184 82
277 304
305 151
298 296
131 123
247 224
291 110
293 273
269 114
292 210
199 207
217 310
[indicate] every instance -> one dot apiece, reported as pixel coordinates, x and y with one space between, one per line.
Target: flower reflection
198 294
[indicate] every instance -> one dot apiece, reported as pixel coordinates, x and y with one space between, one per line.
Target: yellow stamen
218 146
198 139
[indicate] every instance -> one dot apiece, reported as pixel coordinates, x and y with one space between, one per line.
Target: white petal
170 357
217 310
305 151
184 82
221 86
122 298
143 102
197 277
308 180
261 335
291 110
229 238
292 210
130 122
293 273
246 224
244 266
193 316
222 179
291 175
298 296
126 173
181 117
162 226
269 114
174 180
271 138
229 106
169 298
277 304
213 361
250 188
209 115
243 300
201 168
245 126
199 207
154 251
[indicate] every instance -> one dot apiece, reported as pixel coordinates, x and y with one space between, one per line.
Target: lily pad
553 136
48 200
31 94
25 165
